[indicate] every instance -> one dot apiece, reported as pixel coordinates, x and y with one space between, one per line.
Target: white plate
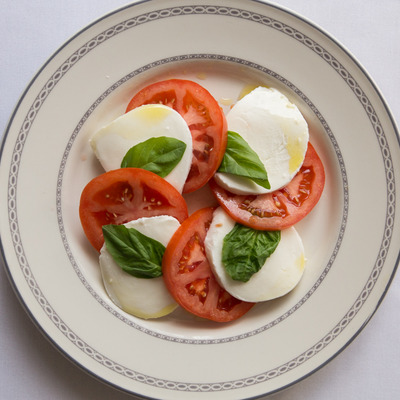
351 239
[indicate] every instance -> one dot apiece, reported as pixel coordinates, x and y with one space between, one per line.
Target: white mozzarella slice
144 298
276 130
111 143
280 274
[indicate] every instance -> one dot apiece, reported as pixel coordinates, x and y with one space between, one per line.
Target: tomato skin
123 195
282 208
189 278
205 118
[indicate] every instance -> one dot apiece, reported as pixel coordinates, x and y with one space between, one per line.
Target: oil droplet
153 113
249 88
296 155
226 101
301 262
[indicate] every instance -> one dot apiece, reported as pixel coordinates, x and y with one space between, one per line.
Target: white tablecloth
30 368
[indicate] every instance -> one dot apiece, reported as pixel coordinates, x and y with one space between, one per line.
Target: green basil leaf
159 155
240 159
245 251
137 254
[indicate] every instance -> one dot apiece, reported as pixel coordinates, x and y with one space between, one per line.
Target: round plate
351 238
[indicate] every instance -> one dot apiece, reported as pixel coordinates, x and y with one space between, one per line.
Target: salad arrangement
219 261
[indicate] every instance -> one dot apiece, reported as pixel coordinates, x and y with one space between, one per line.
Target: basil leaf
240 159
159 155
245 251
137 254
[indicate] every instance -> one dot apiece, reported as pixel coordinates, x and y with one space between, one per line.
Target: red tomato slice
123 195
282 208
189 278
204 117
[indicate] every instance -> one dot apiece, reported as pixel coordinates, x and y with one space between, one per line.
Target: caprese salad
219 261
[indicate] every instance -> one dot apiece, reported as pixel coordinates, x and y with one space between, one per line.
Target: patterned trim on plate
231 13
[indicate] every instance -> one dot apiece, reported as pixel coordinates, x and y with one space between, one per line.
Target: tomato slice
123 195
282 208
189 278
204 117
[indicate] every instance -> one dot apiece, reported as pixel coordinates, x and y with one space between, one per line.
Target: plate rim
99 20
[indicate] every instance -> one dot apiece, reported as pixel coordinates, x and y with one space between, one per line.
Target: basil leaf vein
137 254
240 159
245 251
159 155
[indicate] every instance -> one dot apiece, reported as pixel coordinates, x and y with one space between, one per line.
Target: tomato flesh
282 208
204 118
123 195
188 275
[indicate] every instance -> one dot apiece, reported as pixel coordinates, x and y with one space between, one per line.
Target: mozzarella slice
280 274
111 143
144 298
276 130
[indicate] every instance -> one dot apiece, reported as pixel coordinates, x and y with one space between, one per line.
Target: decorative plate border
221 11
